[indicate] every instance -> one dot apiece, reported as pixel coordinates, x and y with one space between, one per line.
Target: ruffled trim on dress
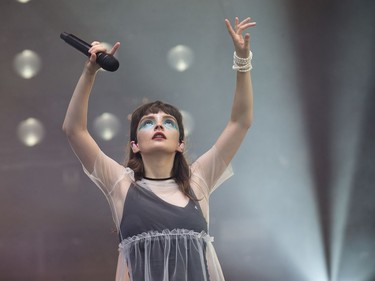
175 232
169 255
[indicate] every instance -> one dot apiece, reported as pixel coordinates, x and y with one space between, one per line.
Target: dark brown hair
180 169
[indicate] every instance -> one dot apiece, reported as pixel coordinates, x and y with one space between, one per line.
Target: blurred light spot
180 57
188 122
107 126
27 64
23 1
30 131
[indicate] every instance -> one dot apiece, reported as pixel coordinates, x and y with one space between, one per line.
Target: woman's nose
159 126
159 123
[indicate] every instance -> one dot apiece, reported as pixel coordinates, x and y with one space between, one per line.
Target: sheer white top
114 180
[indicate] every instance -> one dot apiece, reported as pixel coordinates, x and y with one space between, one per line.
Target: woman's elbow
245 123
68 130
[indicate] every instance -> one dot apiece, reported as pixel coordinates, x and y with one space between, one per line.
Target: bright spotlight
188 122
30 132
27 64
23 1
107 126
180 58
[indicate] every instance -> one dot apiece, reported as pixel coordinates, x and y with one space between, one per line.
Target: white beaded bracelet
242 64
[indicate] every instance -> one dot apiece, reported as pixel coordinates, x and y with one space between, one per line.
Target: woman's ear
181 146
134 147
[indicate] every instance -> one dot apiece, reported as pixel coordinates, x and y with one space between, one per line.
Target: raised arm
75 123
242 108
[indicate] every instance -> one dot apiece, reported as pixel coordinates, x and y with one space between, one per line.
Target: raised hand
97 47
241 43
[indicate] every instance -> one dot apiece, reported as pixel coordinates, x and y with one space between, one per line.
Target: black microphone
106 61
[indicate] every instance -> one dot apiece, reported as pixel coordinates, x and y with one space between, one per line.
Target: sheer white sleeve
211 170
113 180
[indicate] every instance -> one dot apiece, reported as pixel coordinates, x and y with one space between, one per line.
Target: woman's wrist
242 53
89 72
242 63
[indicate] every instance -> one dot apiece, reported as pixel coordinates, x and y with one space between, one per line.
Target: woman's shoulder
106 167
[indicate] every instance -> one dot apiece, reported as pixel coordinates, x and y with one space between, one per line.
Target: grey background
301 205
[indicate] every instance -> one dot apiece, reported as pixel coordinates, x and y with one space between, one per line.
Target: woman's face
157 132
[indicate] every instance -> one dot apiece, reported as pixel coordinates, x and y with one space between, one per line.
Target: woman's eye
170 123
146 124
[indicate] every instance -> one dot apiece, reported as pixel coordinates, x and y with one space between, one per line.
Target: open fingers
246 23
114 48
229 27
239 27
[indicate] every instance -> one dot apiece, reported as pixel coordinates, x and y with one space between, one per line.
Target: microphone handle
77 43
106 61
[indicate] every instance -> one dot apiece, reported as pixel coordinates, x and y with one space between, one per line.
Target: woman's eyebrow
154 117
147 117
169 116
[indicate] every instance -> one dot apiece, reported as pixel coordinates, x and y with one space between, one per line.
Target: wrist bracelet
242 64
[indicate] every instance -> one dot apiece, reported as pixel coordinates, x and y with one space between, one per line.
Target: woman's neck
158 179
158 167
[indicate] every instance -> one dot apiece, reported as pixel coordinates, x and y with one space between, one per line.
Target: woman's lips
159 136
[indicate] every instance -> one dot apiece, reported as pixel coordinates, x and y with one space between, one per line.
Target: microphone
106 61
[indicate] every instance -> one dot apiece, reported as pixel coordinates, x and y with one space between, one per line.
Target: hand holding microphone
106 60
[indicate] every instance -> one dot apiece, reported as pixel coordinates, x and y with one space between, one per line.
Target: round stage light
30 132
180 57
27 64
107 126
